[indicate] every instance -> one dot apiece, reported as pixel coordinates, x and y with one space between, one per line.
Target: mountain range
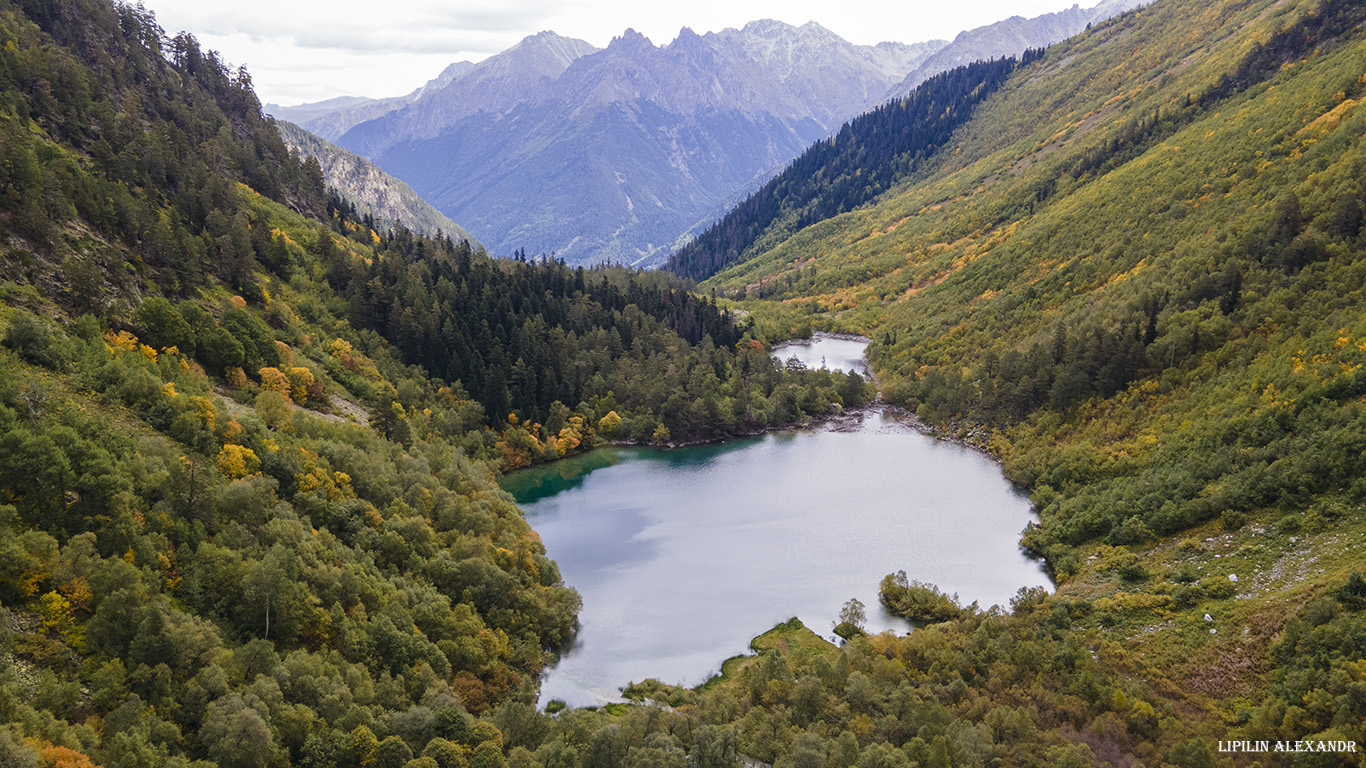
332 117
1011 37
611 154
623 153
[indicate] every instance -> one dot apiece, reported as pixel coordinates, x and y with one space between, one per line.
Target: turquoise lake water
683 555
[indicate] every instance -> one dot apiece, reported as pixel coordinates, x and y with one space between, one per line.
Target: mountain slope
628 147
374 192
1136 275
1010 37
1146 217
135 500
868 156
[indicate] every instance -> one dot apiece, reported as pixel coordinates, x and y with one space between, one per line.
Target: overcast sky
309 50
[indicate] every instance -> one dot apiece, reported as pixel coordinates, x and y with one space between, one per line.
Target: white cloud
308 50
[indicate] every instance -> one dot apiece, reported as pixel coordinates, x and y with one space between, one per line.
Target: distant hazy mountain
492 87
370 189
333 117
613 154
1010 37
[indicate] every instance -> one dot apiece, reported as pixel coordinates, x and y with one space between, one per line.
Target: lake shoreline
577 675
818 335
810 424
845 420
974 438
866 490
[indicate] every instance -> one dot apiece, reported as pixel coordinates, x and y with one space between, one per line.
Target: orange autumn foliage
62 757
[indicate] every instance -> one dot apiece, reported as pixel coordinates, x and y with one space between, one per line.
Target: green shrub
917 601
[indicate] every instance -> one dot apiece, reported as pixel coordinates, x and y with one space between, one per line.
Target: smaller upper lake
837 353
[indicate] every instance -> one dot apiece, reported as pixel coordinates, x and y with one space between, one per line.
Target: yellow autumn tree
231 431
364 746
234 461
65 757
518 447
207 412
237 378
609 425
56 612
661 435
342 351
77 591
274 380
300 384
570 436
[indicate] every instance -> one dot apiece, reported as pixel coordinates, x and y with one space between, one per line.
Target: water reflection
531 485
683 555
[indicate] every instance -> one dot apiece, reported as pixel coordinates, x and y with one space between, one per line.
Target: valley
1121 274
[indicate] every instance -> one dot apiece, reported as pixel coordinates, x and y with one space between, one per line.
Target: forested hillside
247 504
239 525
164 546
1135 275
111 124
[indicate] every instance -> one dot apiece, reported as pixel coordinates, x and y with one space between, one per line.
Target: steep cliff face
370 189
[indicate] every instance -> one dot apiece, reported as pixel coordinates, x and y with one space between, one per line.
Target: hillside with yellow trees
248 444
1135 275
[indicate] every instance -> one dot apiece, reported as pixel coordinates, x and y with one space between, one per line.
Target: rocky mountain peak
1011 37
813 31
686 36
442 80
630 40
765 27
554 50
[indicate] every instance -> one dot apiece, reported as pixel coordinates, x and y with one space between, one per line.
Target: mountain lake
683 555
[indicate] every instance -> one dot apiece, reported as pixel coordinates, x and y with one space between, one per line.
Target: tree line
869 155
